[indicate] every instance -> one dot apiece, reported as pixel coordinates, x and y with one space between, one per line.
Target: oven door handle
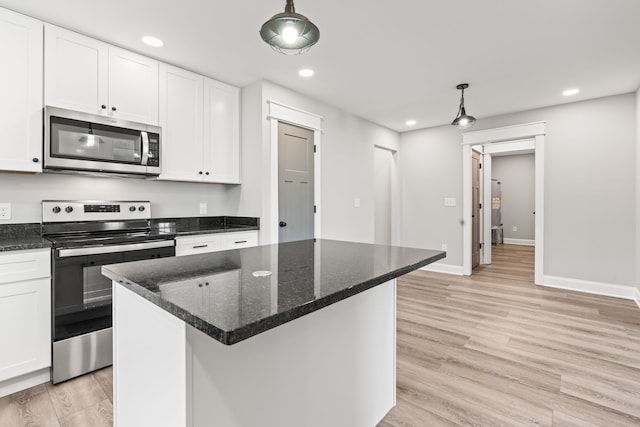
96 250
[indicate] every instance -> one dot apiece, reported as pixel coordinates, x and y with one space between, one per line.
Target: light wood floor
493 349
487 350
85 401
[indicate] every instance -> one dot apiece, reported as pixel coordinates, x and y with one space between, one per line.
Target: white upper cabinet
200 120
21 93
133 86
76 70
181 122
222 132
85 74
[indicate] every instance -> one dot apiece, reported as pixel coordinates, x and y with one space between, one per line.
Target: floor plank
495 349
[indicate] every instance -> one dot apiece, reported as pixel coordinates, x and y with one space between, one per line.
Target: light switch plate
5 211
449 201
356 203
203 208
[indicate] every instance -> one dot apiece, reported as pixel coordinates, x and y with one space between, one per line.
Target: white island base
333 367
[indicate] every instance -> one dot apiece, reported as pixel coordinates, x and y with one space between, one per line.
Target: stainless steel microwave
85 143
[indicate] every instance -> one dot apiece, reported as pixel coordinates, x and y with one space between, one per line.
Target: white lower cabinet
202 243
242 239
25 313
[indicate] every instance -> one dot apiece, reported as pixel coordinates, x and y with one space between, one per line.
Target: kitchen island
292 334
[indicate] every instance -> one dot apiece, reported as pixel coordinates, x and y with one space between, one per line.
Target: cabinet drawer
239 240
16 266
198 244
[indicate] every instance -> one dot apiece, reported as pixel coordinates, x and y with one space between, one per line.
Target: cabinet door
221 132
21 89
75 70
25 327
181 122
133 86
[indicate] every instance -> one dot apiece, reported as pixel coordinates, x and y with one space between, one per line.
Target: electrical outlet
5 211
444 247
515 228
356 203
203 208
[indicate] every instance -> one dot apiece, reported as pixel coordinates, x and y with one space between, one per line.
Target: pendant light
290 33
462 120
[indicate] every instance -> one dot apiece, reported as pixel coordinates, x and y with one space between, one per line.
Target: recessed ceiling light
410 122
306 72
571 92
152 41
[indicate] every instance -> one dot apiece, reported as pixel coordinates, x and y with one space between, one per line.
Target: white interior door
295 183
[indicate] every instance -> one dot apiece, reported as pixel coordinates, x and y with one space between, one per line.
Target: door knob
283 224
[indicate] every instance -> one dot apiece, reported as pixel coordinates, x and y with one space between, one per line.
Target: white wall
516 174
590 196
168 199
347 163
638 193
430 170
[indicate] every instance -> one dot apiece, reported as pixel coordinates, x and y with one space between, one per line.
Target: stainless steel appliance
82 142
496 212
85 236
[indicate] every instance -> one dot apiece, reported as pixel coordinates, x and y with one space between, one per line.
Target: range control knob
68 209
141 208
132 208
56 209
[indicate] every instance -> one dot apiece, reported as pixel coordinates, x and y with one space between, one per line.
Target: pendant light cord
289 8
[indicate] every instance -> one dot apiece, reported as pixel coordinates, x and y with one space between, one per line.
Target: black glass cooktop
103 239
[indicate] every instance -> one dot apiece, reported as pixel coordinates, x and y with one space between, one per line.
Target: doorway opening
383 165
512 139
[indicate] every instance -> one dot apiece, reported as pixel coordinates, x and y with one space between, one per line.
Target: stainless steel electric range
85 236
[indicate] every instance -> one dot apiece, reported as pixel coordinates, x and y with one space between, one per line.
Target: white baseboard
436 267
636 297
523 242
597 288
24 382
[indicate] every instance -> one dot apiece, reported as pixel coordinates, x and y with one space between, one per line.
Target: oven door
81 294
82 334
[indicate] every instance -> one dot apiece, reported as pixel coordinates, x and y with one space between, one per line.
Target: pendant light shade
290 33
462 120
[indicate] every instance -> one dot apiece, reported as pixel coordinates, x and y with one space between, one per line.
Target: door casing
534 131
279 112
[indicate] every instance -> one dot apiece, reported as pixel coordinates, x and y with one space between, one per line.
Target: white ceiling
387 61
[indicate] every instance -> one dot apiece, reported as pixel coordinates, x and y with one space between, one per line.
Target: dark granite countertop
204 225
16 237
219 294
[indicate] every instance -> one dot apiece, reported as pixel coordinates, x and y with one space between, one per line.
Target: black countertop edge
232 229
278 319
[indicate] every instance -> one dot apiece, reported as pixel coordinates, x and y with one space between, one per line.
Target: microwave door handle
145 147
